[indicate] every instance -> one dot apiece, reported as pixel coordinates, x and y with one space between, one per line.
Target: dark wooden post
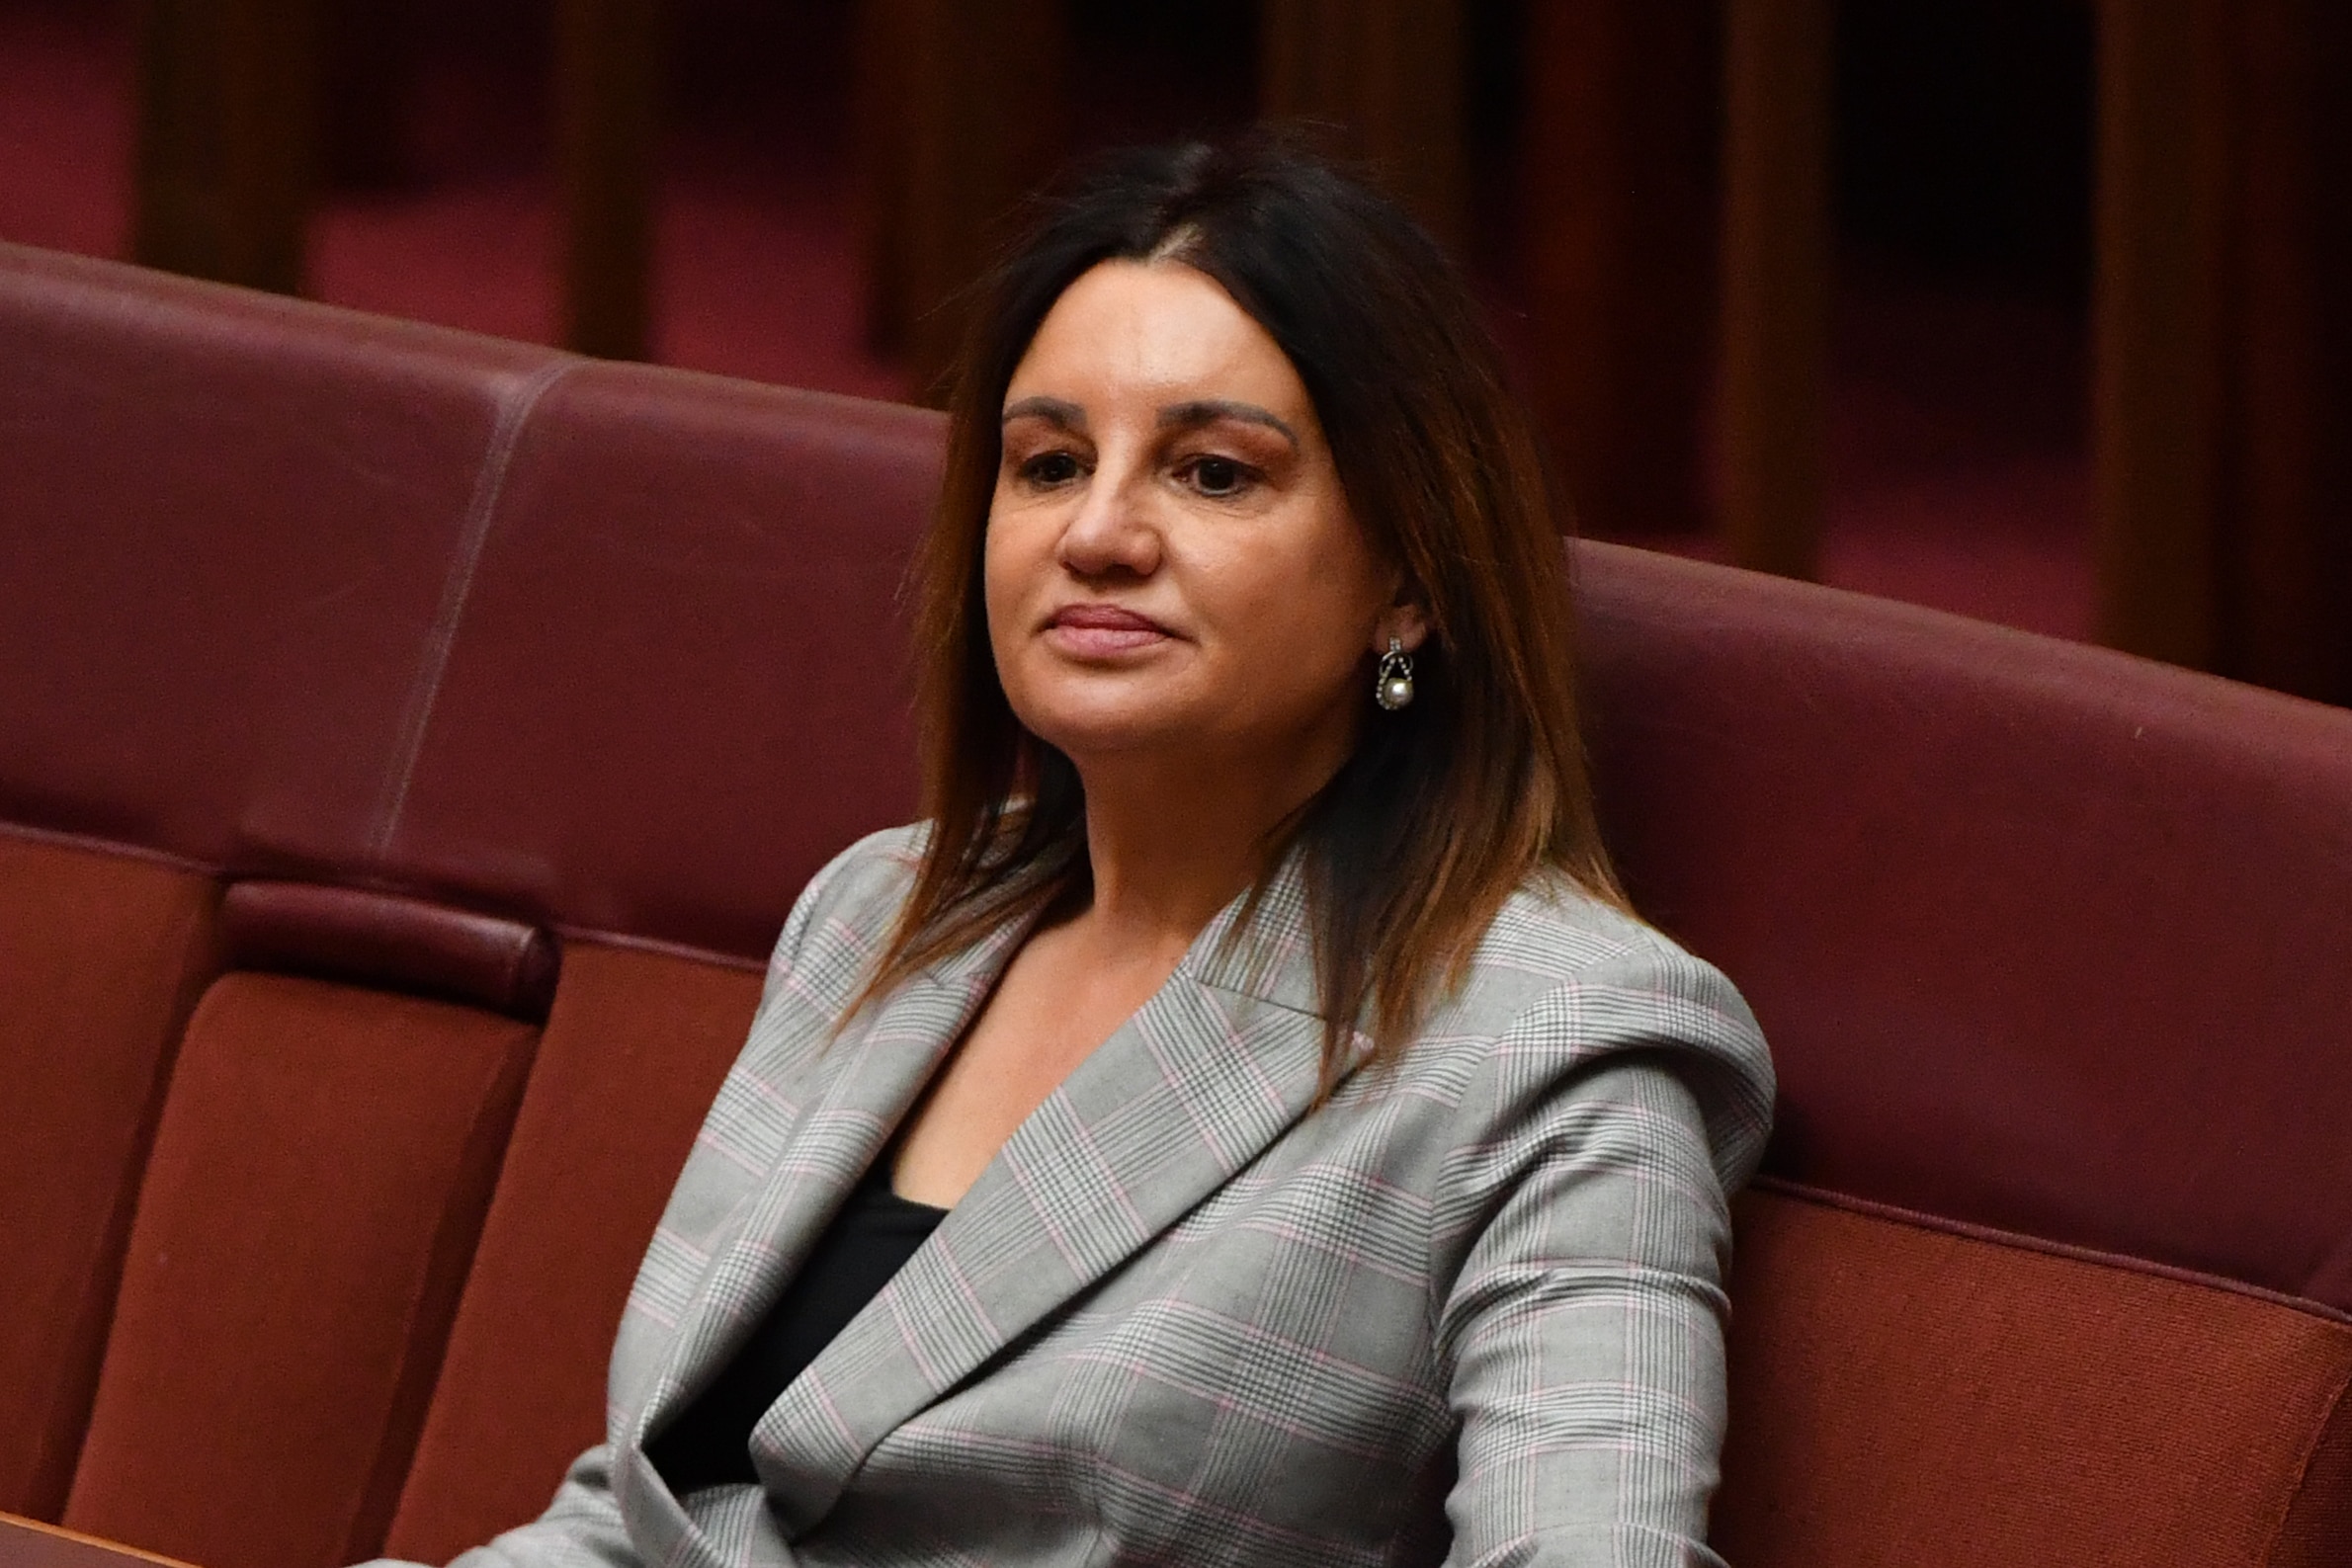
1618 207
1777 261
367 77
2222 338
959 115
227 138
608 125
2285 591
1388 76
2159 231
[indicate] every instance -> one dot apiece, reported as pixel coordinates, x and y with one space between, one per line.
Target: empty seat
309 1216
633 1056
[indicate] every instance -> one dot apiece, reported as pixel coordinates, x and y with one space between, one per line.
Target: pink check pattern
1470 1310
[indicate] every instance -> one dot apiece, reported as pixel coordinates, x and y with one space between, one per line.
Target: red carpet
1957 475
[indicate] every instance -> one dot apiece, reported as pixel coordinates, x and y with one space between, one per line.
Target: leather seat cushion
319 1179
101 959
632 1059
1908 1392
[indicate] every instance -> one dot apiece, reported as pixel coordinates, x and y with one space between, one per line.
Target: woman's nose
1110 532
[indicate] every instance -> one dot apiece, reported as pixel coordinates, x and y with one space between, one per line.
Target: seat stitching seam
2303 1470
482 510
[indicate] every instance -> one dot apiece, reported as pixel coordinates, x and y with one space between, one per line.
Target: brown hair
1446 806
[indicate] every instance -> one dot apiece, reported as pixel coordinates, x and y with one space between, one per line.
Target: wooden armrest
27 1543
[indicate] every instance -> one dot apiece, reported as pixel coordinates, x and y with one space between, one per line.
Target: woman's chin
1109 737
1107 722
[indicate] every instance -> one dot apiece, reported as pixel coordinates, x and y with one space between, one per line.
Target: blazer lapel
876 1070
1224 1058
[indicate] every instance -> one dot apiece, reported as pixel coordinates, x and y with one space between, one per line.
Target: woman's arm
1583 1330
582 1527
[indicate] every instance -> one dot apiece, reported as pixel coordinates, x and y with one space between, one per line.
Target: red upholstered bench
410 743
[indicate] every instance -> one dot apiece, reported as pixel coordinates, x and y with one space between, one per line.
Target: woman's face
1171 564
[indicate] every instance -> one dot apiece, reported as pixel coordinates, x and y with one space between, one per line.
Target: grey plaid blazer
1470 1310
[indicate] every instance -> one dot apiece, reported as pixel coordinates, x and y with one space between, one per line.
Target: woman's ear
1405 622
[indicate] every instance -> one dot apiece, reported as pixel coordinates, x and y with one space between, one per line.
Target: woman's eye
1050 468
1216 476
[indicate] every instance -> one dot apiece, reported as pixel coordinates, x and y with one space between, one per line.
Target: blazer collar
868 1080
1211 1069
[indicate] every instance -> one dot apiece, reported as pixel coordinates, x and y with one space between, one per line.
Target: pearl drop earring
1393 687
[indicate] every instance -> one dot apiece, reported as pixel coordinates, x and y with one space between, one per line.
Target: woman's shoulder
1552 933
878 869
855 897
1564 981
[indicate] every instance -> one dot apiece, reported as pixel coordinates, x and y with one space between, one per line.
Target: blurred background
2037 311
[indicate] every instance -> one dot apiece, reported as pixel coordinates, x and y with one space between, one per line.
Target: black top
868 1241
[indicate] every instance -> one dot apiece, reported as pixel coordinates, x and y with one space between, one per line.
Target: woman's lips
1098 630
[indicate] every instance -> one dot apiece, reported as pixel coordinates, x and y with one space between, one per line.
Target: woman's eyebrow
1208 410
1054 410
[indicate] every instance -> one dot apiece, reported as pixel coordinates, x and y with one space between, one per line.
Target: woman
1244 1124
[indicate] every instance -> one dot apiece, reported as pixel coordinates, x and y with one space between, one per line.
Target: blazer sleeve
1581 1329
582 1527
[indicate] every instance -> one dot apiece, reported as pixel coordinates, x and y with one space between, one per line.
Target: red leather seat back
679 686
235 537
2043 936
679 691
323 595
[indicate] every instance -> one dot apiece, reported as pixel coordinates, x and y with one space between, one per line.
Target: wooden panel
25 1544
2223 340
2163 156
959 114
1776 280
1387 75
367 74
227 138
608 79
1618 206
2286 589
